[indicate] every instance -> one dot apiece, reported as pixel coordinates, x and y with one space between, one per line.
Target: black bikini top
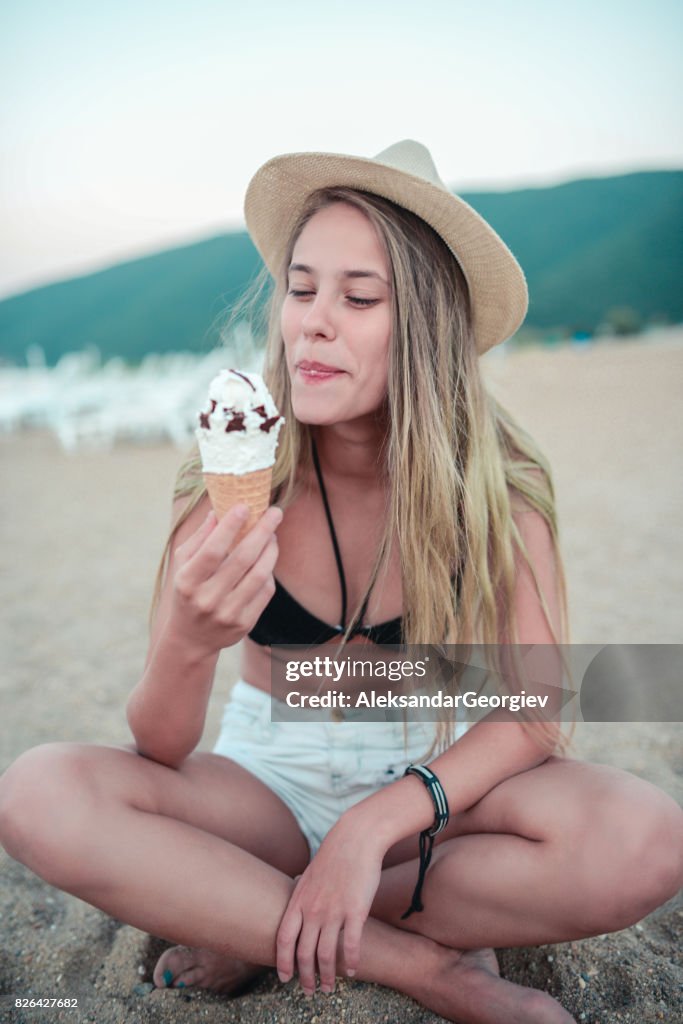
285 621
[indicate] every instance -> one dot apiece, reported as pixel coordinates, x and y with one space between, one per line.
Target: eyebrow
344 273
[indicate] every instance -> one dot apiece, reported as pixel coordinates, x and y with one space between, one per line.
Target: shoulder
532 525
534 477
537 577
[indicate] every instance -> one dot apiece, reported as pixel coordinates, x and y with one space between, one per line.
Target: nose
317 322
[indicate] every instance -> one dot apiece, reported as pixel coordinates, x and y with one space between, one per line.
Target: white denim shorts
321 767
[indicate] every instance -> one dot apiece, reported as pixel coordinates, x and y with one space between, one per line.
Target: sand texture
81 536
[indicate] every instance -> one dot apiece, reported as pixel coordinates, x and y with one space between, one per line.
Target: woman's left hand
335 892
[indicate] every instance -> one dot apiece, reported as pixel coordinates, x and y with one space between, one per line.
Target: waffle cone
229 489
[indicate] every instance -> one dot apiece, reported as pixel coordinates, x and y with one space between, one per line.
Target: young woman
411 508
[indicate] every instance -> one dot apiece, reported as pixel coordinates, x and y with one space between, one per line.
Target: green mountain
169 301
592 249
590 246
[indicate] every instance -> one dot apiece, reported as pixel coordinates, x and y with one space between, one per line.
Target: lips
313 367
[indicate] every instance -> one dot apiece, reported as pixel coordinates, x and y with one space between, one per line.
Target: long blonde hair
452 455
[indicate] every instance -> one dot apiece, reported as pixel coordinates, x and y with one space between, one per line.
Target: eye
355 299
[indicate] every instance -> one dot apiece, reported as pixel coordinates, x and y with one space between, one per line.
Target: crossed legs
119 832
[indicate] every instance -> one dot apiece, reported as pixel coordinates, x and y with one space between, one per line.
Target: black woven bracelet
441 817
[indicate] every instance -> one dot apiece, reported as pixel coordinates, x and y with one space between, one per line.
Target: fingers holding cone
229 489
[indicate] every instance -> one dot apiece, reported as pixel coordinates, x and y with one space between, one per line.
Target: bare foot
468 989
181 967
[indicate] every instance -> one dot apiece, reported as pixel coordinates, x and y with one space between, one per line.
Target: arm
493 749
212 596
337 889
167 709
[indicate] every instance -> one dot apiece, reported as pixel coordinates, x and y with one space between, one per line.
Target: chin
316 413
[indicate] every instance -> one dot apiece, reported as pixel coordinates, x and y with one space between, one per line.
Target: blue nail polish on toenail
181 984
168 977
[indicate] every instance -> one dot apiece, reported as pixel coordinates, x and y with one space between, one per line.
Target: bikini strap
335 545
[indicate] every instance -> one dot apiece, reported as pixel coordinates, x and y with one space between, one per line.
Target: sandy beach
81 538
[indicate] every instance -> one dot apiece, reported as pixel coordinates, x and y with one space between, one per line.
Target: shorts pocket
384 772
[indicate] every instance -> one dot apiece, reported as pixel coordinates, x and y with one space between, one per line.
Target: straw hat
404 173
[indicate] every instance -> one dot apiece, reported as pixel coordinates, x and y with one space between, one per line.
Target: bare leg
107 837
563 851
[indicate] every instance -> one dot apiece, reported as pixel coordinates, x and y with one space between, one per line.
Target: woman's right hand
219 591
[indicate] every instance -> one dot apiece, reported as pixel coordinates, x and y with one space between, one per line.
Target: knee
660 851
637 861
39 804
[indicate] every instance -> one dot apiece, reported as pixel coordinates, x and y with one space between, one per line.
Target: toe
170 965
192 976
158 975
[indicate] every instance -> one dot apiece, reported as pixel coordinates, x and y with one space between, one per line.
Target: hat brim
277 192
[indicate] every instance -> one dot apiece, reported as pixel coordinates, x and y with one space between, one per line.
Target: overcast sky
128 127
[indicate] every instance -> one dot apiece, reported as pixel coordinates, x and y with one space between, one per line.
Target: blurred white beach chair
87 405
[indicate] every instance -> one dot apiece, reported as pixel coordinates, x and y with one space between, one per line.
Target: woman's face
336 318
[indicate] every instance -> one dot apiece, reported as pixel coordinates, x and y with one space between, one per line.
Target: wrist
185 646
361 825
401 809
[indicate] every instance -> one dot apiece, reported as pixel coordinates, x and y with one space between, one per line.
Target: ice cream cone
229 489
237 434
